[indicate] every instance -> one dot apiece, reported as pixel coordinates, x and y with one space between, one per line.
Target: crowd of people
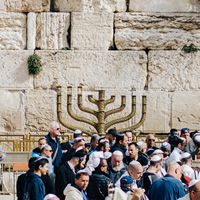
112 167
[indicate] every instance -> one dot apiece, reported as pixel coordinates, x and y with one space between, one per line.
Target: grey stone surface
27 5
90 5
12 31
12 111
14 70
93 69
174 71
40 109
168 31
164 6
31 30
91 31
52 30
185 110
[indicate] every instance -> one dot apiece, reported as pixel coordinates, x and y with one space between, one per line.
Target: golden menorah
101 126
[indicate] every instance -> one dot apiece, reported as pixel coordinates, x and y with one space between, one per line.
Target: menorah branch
84 109
76 117
111 100
123 119
116 110
143 117
59 114
92 100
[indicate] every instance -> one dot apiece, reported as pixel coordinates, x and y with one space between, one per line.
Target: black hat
113 132
79 154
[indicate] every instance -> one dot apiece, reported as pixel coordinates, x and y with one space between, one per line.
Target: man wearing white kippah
194 191
116 168
187 166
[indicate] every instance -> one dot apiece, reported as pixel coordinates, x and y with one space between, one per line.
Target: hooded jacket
72 193
33 187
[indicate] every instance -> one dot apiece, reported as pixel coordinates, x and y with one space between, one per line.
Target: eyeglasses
50 150
196 191
152 140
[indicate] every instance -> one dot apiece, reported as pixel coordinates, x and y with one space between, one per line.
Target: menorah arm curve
84 109
123 119
142 118
81 119
111 100
60 118
116 110
92 100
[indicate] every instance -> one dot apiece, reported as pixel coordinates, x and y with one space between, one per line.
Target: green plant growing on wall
34 64
190 48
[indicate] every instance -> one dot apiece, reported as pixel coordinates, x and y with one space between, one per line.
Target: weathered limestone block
31 30
40 109
2 6
156 31
90 5
12 111
164 6
111 69
185 110
91 31
27 5
12 31
14 70
52 30
174 70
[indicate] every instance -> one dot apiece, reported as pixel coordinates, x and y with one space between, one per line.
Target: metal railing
24 143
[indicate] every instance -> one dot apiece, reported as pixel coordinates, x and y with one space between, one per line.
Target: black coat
98 185
64 176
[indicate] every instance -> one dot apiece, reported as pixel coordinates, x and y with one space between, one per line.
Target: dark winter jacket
64 176
98 185
33 187
53 144
115 175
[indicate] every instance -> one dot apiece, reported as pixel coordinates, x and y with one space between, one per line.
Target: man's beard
118 168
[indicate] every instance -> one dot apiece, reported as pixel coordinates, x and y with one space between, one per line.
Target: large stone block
91 31
31 30
93 69
158 112
185 110
156 31
2 5
52 30
90 5
12 111
27 5
173 70
164 6
40 109
12 31
14 70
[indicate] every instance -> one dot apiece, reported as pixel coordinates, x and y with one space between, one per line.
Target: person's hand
1 154
111 189
138 193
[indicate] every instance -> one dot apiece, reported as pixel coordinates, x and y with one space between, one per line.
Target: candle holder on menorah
100 126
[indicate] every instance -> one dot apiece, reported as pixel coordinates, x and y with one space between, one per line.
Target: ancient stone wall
125 47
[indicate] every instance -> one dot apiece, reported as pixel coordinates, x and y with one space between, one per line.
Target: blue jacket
53 144
166 188
34 188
